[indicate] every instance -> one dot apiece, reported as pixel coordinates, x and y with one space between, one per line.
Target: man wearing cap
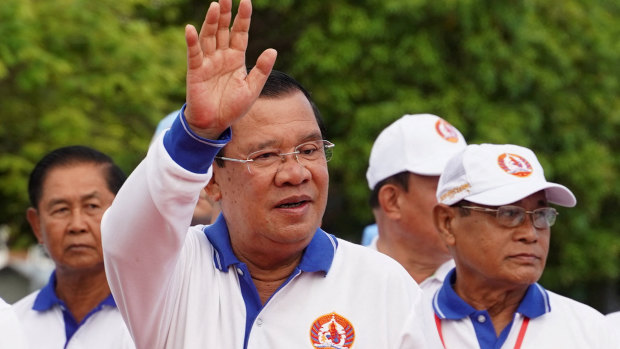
494 216
404 167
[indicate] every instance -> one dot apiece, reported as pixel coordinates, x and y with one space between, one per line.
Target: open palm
219 91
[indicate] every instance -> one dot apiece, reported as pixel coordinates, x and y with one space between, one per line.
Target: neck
269 276
500 302
420 260
81 291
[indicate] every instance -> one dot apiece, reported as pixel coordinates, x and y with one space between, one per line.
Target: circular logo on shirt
515 165
332 331
446 131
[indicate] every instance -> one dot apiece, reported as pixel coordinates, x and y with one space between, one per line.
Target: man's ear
443 217
213 190
32 215
388 198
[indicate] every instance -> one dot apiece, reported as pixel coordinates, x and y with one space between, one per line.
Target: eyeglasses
513 216
267 160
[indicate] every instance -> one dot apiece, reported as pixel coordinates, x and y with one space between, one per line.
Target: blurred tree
79 71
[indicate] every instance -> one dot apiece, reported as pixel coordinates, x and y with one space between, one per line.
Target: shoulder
579 321
572 313
196 240
352 250
361 260
11 332
564 304
613 319
25 304
614 316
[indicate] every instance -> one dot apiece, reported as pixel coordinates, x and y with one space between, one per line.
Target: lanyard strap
524 324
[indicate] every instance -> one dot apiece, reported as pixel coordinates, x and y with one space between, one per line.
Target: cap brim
556 194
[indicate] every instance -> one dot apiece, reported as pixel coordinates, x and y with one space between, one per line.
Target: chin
295 235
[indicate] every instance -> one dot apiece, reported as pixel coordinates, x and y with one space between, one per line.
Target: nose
291 171
77 222
527 232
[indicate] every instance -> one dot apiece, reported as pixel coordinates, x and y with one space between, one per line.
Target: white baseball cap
495 175
418 143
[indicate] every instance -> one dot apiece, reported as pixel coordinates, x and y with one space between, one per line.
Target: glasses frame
525 212
326 145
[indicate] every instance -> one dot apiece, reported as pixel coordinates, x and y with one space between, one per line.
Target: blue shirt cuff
189 150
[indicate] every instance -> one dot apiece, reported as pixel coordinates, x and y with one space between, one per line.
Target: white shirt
180 288
554 322
42 316
11 331
614 320
431 283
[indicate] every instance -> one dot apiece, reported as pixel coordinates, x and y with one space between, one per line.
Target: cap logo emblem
454 191
332 331
515 165
446 131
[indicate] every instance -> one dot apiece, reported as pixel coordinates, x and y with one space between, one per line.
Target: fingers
258 75
194 53
223 31
215 32
209 29
241 26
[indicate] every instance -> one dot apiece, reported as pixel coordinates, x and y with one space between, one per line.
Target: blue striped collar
448 305
318 255
47 298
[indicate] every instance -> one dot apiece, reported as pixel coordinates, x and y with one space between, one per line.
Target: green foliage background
543 74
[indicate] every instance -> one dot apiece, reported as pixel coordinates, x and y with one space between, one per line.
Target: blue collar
47 298
318 255
448 305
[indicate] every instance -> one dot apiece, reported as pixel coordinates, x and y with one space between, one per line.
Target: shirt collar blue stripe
318 255
47 298
448 305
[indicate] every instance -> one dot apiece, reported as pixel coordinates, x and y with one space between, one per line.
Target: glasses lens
310 151
510 216
264 158
544 217
313 151
328 148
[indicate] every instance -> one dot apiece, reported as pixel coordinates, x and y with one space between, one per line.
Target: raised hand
219 89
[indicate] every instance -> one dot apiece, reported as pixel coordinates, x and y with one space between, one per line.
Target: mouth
293 202
525 257
79 247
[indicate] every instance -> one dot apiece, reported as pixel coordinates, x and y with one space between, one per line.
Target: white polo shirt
432 283
614 319
48 324
180 288
11 331
543 320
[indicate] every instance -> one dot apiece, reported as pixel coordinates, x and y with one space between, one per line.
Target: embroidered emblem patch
446 131
332 331
515 165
